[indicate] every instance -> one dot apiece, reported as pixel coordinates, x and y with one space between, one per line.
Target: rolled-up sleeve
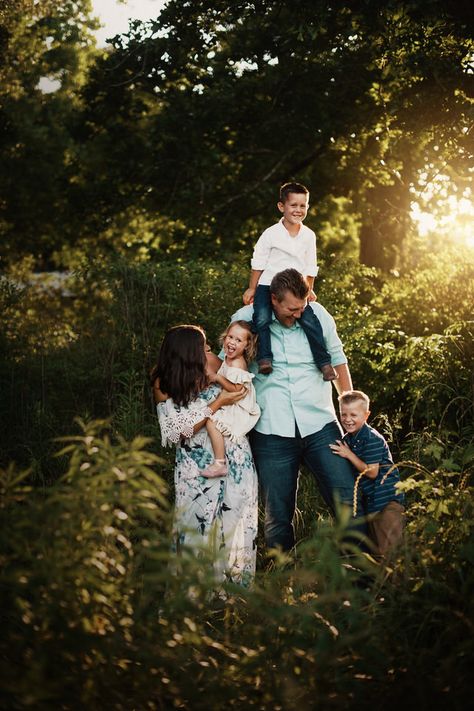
261 252
311 266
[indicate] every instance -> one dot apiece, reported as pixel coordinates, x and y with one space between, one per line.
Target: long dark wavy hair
181 366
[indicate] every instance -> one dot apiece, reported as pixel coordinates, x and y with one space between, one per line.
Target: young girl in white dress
233 421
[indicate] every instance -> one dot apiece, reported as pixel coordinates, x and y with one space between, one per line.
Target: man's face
288 309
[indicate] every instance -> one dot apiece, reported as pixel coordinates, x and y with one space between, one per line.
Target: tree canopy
183 131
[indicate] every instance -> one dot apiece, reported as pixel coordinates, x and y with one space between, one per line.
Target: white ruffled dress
235 421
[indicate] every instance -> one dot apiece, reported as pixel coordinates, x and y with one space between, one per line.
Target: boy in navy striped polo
368 452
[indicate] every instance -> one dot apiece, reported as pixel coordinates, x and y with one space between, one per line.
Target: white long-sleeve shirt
276 250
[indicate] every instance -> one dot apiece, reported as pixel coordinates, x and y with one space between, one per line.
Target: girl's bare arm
224 398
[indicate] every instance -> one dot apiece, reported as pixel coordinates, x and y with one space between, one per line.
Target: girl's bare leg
218 467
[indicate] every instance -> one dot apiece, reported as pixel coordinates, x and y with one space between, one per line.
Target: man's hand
248 295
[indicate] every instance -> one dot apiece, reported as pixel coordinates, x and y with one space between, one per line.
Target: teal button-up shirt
295 391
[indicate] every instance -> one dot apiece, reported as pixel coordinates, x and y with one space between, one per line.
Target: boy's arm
343 450
258 263
311 263
310 282
249 293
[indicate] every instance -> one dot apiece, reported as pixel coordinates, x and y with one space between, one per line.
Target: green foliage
408 338
90 589
89 583
47 48
89 354
177 138
427 614
70 564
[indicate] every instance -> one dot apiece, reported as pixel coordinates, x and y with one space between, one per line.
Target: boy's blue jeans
278 460
309 322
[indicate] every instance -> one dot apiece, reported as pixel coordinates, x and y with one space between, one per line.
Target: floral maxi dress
218 514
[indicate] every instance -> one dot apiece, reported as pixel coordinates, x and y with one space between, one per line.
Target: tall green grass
90 355
92 613
97 611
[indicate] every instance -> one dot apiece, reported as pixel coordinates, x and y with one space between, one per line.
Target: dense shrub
94 615
86 584
90 354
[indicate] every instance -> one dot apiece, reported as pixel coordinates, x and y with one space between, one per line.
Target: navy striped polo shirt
370 446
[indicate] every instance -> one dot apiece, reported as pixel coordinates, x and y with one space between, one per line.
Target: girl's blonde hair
251 347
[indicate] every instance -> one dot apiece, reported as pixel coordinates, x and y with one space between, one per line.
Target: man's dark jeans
278 459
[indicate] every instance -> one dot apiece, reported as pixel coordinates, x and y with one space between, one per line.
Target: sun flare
452 215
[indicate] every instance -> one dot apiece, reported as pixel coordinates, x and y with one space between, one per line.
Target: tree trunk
385 224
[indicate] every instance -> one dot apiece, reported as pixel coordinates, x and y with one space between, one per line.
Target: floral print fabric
215 514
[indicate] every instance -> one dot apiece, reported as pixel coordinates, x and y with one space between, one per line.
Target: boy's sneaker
328 372
265 367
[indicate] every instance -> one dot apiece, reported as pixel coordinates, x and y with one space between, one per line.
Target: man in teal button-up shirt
298 420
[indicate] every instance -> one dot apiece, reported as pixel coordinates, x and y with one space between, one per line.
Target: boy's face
295 208
353 415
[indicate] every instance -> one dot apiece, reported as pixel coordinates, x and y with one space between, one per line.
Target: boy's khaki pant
386 527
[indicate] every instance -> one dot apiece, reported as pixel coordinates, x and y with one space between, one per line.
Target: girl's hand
312 296
341 448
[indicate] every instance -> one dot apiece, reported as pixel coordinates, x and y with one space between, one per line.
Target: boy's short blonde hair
353 396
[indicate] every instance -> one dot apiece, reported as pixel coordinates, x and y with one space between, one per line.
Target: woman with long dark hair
206 510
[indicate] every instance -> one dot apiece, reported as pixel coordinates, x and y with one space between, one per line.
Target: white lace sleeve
176 423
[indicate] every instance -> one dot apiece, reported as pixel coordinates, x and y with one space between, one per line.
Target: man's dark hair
289 280
288 188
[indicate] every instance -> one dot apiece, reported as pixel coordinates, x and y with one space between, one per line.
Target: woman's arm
157 394
176 425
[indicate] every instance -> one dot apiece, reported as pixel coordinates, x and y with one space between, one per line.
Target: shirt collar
360 435
286 231
287 328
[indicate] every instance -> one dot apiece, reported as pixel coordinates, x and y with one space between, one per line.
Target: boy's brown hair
288 188
353 396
